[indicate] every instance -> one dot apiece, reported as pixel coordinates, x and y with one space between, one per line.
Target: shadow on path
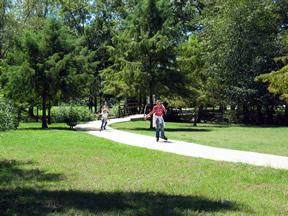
87 129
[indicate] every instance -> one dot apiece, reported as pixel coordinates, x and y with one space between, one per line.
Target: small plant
8 116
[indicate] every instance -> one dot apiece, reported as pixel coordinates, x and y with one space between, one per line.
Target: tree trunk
37 114
195 116
100 103
260 114
246 114
95 104
119 112
269 112
139 109
221 108
144 102
286 114
151 106
31 111
44 122
200 112
20 113
90 104
49 112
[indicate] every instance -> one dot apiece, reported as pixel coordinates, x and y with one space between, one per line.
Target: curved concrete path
181 147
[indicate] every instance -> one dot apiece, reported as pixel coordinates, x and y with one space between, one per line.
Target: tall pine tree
47 64
144 53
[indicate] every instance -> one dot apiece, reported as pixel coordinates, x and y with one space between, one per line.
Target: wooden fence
138 108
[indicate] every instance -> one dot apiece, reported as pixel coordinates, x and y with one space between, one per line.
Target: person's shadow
16 199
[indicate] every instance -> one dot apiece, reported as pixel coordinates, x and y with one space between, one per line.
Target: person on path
158 119
104 119
105 107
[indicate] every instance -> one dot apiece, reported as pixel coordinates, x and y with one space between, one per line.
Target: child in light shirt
104 119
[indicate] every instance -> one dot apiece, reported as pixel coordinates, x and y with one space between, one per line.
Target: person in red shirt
158 119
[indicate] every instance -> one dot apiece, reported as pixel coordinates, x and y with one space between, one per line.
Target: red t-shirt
158 110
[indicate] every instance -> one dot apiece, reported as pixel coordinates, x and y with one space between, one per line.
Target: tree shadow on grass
207 125
43 202
11 173
50 128
16 199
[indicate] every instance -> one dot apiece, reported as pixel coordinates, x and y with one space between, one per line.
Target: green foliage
113 111
32 15
143 53
7 27
3 69
8 116
233 117
278 80
241 41
194 69
54 66
74 113
97 37
76 13
185 52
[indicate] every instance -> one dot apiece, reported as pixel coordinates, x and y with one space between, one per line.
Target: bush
74 113
8 116
114 110
233 117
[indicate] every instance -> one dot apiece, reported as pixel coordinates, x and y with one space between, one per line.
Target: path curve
182 147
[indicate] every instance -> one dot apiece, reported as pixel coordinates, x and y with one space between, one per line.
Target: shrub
232 117
114 110
8 116
74 113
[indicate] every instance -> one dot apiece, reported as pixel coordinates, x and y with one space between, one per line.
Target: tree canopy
227 53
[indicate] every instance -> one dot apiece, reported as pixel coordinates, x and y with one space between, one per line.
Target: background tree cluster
227 53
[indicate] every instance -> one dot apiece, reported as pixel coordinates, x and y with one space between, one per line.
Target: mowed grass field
65 172
269 140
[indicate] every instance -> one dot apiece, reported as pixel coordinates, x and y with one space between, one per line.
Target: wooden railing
138 108
130 109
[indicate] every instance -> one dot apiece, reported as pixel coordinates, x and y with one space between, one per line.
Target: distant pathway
181 147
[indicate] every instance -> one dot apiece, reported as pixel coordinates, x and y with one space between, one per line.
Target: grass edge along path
60 172
268 140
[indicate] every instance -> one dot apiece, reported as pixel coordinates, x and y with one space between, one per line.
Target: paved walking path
181 147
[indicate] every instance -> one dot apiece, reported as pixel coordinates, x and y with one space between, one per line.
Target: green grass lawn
270 140
65 172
